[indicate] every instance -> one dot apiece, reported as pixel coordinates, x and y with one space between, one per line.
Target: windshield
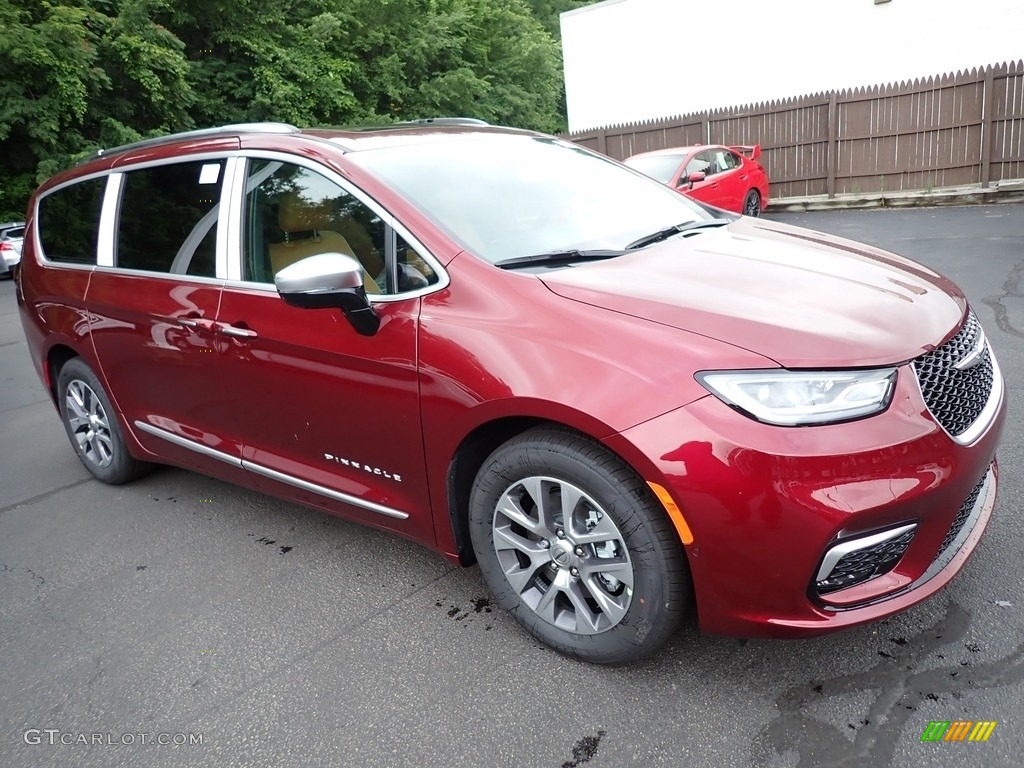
660 167
506 196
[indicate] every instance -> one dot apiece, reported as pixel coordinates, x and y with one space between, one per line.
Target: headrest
296 214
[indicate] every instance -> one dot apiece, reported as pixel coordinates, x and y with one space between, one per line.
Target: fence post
833 159
602 141
987 99
705 127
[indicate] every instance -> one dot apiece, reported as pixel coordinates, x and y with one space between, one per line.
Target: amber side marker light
673 512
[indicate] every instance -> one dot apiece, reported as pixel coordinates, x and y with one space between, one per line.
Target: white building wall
630 60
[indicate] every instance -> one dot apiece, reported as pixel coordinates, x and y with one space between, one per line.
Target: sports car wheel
752 203
573 544
92 426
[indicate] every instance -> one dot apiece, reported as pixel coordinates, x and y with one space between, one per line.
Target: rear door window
168 218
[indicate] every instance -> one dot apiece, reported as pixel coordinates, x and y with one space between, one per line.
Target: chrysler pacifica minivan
623 406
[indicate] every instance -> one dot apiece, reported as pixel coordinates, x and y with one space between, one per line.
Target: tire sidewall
629 506
123 466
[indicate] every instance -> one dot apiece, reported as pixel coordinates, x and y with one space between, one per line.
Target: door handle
196 323
235 332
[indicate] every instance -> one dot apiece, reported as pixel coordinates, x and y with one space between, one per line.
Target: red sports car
726 177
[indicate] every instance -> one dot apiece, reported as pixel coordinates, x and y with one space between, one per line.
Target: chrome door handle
237 333
188 323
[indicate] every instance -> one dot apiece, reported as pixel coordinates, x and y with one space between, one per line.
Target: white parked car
11 236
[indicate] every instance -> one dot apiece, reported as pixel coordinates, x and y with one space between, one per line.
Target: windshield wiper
675 229
556 257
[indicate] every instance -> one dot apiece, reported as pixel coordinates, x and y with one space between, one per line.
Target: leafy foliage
76 75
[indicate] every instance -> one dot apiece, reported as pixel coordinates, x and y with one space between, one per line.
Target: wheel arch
482 441
56 358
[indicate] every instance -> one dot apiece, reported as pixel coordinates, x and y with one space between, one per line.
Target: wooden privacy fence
966 128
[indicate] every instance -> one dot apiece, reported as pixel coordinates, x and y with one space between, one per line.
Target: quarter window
168 218
726 160
69 221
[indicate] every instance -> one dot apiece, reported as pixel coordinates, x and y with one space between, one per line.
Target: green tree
76 75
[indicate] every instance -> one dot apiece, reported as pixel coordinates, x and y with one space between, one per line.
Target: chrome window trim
272 474
839 551
252 285
230 217
107 234
329 173
160 275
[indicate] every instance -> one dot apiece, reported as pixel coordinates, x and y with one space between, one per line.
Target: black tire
92 426
556 463
752 203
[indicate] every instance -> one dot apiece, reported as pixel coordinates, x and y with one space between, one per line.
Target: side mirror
326 281
694 177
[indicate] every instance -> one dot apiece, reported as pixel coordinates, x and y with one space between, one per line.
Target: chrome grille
961 517
956 397
863 564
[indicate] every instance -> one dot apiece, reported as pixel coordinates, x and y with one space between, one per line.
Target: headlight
803 398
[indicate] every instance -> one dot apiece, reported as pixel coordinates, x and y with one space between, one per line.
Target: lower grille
961 517
863 560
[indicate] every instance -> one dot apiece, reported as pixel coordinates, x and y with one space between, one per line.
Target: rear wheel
92 426
572 543
752 203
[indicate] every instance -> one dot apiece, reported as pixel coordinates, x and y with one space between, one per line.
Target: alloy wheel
563 555
89 423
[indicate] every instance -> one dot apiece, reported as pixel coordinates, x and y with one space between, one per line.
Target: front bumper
766 504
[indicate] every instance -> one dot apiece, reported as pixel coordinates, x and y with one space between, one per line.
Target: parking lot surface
181 609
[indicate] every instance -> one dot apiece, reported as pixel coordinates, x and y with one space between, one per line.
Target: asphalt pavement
260 633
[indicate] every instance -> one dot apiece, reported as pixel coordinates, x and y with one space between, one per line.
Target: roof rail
444 121
201 133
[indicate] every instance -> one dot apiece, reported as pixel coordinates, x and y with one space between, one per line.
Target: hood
802 298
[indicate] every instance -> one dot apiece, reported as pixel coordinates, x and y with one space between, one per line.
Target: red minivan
518 352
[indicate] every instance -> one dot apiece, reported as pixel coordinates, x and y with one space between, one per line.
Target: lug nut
560 533
574 571
545 544
578 551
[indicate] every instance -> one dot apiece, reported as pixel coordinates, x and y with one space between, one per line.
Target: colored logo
958 730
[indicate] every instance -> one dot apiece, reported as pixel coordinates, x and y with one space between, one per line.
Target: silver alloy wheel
89 423
563 555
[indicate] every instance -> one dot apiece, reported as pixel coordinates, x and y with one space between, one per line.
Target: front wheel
752 203
572 543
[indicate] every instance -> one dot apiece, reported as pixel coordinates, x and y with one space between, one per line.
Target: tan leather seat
308 232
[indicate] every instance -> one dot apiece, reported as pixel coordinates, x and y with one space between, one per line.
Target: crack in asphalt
45 495
900 689
1011 287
